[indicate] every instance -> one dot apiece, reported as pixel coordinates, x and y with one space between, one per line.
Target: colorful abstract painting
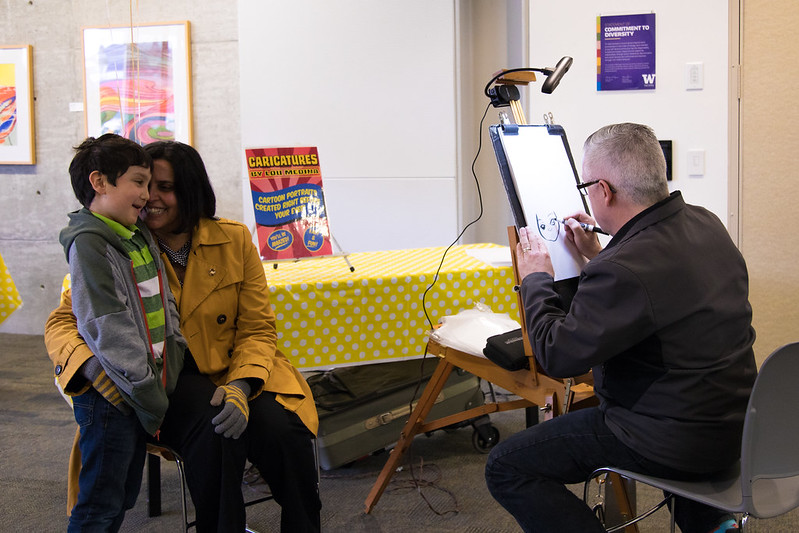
8 105
138 82
136 91
16 106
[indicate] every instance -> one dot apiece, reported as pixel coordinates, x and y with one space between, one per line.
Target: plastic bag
468 330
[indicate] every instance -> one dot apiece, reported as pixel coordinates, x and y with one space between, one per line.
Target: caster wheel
483 444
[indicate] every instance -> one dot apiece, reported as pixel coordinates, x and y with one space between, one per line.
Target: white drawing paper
546 187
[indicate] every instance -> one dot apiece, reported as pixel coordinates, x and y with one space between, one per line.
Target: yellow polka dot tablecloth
9 297
328 316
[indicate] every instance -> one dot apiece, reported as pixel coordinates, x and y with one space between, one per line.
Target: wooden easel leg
411 429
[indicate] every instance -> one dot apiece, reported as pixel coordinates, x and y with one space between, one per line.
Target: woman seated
238 397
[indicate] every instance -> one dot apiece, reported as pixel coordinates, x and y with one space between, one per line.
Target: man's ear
607 194
98 181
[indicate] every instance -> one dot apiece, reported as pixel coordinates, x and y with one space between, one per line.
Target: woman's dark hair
109 154
195 196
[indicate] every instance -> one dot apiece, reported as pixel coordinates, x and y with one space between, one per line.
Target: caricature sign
289 203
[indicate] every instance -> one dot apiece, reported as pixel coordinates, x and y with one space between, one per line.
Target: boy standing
128 318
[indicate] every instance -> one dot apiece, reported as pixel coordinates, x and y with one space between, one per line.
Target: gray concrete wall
36 198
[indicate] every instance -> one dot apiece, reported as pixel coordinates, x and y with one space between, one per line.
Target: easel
618 502
535 388
552 396
341 253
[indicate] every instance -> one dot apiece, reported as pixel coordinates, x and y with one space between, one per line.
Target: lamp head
507 79
554 75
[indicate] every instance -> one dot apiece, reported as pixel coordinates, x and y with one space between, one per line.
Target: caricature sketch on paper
548 226
545 184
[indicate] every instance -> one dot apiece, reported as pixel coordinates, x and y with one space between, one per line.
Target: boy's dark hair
195 196
109 154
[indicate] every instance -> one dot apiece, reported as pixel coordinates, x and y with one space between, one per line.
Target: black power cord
467 226
414 481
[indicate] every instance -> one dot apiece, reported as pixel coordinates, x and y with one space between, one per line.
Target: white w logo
649 79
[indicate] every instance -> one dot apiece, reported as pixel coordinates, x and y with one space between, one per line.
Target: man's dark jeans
527 474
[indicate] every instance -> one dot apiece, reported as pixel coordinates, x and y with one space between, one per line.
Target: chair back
769 457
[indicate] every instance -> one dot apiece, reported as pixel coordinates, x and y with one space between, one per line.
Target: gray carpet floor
36 430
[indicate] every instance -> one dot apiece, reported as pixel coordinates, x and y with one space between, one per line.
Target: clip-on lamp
506 92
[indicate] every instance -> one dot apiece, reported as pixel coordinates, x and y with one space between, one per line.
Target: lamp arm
544 71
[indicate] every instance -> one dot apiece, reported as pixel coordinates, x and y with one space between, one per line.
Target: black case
362 409
507 350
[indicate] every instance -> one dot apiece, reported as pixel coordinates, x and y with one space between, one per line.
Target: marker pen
587 227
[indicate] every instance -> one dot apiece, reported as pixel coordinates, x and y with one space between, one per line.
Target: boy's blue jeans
112 447
527 474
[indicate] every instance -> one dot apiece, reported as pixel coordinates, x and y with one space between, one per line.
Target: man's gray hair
631 159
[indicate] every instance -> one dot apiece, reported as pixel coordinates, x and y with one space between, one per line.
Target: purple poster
625 52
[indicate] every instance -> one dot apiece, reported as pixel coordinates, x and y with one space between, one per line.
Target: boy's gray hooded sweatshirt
111 319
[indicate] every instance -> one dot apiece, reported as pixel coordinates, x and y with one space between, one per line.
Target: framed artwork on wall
17 145
137 81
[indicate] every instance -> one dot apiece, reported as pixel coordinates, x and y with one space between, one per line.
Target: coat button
58 370
212 272
221 319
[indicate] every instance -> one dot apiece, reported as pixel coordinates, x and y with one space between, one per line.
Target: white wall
372 85
687 31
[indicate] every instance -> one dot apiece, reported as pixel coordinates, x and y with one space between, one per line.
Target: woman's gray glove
232 421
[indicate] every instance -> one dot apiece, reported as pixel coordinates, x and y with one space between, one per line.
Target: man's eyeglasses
583 186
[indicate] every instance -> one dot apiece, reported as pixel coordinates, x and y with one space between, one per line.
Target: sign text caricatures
288 202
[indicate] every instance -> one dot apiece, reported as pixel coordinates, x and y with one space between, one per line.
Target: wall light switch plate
694 76
696 162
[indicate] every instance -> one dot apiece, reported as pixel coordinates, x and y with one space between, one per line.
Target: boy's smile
123 201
